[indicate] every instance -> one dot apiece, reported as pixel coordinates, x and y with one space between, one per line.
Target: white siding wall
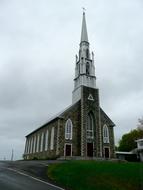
37 147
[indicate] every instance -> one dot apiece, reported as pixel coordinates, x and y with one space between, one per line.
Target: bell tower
84 69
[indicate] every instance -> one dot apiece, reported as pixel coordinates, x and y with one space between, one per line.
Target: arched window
87 68
31 145
34 146
105 134
42 142
38 140
46 140
68 129
90 126
52 139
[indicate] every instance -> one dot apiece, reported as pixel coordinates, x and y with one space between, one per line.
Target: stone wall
74 114
106 121
44 154
59 136
78 114
88 105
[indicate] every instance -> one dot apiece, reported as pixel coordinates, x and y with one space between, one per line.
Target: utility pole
12 155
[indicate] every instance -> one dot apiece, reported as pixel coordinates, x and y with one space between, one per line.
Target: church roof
106 116
59 115
84 36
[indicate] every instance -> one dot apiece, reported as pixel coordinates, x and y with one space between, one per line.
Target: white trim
52 138
31 145
90 97
68 135
105 134
65 149
121 152
38 141
138 140
42 141
47 140
90 123
34 146
58 132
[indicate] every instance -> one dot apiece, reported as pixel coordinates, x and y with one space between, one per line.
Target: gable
104 117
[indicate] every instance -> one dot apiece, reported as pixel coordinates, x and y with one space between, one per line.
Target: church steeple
84 36
84 69
84 44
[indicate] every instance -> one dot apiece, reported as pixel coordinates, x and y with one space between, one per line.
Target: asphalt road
11 178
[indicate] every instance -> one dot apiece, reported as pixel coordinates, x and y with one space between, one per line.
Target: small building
140 149
134 155
83 129
129 156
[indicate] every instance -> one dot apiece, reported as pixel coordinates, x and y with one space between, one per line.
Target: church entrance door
68 150
90 149
106 152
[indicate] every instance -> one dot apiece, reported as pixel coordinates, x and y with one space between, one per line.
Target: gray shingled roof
58 115
109 120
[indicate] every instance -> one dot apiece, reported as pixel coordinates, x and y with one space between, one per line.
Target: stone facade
83 129
78 114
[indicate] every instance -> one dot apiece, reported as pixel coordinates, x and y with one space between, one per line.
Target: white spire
84 36
84 67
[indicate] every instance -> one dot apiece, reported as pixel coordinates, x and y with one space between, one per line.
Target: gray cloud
38 41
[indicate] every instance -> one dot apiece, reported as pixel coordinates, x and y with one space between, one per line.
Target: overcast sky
38 43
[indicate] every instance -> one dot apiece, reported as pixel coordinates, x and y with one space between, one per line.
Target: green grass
96 175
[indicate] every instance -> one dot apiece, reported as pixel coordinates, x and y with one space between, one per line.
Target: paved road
12 179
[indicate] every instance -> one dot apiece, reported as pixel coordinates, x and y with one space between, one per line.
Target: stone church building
83 129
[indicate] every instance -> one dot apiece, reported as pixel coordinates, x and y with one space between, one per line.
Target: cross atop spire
84 36
83 9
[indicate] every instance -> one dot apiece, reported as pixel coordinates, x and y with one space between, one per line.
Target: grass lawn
97 175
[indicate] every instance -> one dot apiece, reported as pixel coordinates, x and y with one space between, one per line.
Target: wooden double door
68 150
106 153
90 149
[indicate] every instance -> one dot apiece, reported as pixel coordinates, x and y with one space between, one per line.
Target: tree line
127 142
